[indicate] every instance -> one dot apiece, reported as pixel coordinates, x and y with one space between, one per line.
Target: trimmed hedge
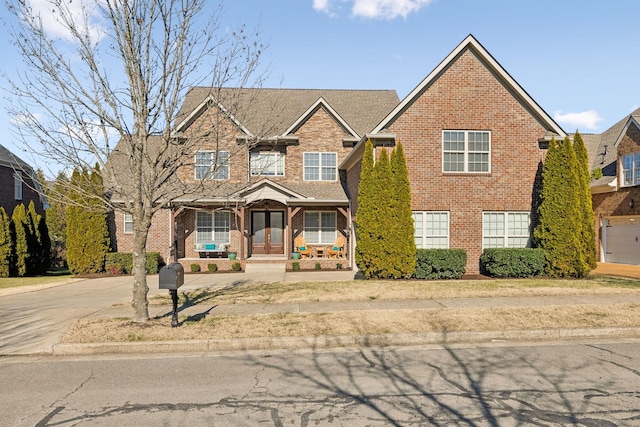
124 262
440 263
513 262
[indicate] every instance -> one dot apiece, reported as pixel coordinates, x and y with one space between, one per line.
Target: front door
267 232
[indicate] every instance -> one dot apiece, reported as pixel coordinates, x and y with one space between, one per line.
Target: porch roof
294 194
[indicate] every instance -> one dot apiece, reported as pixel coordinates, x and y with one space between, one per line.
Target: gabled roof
470 43
320 103
603 153
272 112
7 158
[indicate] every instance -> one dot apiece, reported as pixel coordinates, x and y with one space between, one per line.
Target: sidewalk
35 322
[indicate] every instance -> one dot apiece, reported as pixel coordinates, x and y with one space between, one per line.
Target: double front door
267 232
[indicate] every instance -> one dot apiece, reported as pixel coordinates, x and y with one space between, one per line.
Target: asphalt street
593 383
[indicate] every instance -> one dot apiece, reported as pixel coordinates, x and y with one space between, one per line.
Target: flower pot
232 255
295 255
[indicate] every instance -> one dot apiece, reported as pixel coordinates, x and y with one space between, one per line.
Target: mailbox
171 276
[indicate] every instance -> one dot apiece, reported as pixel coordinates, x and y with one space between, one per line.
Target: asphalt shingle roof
270 112
602 150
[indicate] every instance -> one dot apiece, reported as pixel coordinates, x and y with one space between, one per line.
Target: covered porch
262 224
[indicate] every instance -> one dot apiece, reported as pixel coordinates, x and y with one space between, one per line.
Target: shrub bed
512 262
440 263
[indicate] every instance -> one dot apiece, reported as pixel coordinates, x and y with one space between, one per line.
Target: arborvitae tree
383 250
403 230
5 243
586 205
559 222
56 219
22 257
365 216
87 231
41 247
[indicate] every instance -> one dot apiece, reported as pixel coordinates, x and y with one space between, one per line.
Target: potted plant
232 254
295 255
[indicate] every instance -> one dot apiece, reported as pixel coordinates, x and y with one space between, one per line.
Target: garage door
622 240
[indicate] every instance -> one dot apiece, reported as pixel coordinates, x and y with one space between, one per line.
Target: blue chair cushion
302 248
210 247
335 248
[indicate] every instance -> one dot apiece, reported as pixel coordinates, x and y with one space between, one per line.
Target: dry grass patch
363 290
359 323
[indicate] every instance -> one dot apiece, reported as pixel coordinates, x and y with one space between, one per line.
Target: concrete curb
325 342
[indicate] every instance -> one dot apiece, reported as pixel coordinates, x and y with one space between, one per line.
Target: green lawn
52 276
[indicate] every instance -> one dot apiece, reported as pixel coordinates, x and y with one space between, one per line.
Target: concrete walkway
35 319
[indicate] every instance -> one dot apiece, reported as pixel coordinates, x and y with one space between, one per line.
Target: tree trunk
140 303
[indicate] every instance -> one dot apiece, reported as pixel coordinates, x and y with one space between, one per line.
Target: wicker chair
337 250
302 247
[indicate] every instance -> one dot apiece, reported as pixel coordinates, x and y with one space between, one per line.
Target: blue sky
579 59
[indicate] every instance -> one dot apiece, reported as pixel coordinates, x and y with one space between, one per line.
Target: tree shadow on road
458 385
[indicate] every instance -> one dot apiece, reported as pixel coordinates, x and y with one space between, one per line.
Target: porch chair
337 250
302 247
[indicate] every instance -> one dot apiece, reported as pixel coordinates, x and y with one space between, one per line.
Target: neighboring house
616 194
473 138
20 184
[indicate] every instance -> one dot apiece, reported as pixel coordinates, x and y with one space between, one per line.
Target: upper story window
212 165
631 169
266 163
505 230
320 166
128 223
17 185
466 151
431 230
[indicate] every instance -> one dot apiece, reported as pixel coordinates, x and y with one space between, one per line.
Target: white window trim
212 167
506 234
466 152
423 234
634 171
127 218
320 153
321 213
17 185
213 214
278 155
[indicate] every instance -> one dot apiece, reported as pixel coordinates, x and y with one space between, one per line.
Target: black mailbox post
172 277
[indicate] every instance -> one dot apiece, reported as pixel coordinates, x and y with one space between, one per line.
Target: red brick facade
7 196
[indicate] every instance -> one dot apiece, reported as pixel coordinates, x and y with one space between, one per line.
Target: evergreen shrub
440 263
295 266
513 262
195 268
212 268
236 266
124 261
318 266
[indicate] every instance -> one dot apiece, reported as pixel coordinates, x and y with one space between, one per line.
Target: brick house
473 138
20 186
616 194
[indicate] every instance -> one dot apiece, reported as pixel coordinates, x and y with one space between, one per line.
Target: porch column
290 214
240 213
347 216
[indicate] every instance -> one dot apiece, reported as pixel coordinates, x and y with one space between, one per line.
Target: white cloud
52 24
321 6
585 119
387 9
373 9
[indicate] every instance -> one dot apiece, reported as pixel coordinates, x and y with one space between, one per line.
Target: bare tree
107 85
